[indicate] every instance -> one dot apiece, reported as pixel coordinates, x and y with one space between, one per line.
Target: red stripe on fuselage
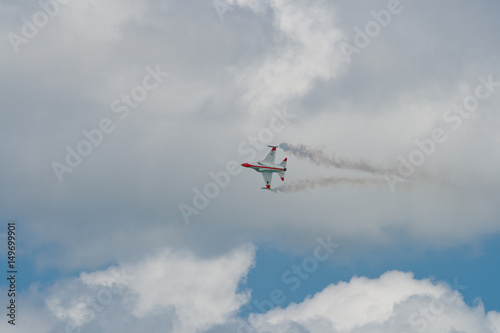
262 167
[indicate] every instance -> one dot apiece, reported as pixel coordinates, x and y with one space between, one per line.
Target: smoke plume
324 157
309 184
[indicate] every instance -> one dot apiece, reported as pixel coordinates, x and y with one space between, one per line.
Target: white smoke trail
309 184
324 157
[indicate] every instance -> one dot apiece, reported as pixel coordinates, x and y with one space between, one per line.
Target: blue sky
474 270
123 126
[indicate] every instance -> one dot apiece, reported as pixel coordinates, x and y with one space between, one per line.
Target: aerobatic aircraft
267 167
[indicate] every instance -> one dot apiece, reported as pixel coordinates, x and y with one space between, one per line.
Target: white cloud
394 302
178 292
306 50
188 292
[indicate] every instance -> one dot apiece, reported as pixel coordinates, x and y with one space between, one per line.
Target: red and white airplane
267 167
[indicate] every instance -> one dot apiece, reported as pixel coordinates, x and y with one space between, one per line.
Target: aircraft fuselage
264 167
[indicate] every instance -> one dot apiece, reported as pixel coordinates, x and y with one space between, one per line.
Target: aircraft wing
270 157
268 176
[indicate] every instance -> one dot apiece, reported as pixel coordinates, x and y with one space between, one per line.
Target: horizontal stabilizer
282 175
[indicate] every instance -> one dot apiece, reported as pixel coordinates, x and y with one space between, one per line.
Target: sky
124 125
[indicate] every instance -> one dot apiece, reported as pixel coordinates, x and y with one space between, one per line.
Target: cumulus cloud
263 54
307 50
178 292
172 290
394 302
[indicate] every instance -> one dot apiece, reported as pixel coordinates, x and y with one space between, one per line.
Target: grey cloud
126 193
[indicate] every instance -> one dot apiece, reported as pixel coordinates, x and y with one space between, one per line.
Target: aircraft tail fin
283 164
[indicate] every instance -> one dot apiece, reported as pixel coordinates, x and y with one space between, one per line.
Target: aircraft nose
245 165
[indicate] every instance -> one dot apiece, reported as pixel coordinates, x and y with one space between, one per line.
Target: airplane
267 167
